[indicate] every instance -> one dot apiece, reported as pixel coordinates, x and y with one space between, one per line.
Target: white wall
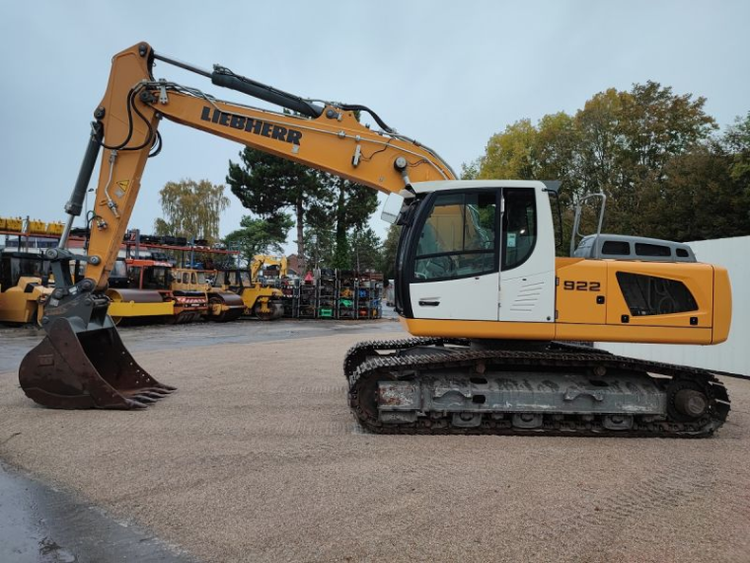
734 354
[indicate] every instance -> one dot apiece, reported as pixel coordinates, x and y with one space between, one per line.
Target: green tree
621 143
598 133
699 200
259 236
191 209
557 140
265 184
512 153
320 243
268 184
366 250
650 125
353 206
706 192
364 245
470 171
388 252
736 142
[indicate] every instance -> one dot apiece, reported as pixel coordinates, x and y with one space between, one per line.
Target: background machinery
188 289
139 290
257 300
143 288
265 264
224 304
261 298
24 287
477 283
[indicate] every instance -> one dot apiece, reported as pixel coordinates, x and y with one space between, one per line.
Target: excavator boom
82 361
327 138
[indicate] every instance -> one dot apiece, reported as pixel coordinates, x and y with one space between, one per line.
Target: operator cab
233 280
118 277
473 250
17 265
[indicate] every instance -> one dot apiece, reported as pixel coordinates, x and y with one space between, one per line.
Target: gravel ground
256 458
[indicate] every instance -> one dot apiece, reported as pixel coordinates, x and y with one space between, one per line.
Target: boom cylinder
222 77
75 203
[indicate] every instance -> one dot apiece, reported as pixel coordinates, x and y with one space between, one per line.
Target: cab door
528 257
455 267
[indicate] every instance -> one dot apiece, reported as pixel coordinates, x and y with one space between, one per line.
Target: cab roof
441 185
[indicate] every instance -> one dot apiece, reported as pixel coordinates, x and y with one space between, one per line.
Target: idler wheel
687 401
691 403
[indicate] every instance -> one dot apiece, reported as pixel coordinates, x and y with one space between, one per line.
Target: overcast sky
448 73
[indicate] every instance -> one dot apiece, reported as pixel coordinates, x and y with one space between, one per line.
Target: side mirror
392 208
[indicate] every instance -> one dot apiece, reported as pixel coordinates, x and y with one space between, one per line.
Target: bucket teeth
155 395
143 398
134 404
87 369
159 388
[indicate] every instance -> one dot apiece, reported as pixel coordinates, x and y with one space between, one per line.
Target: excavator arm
82 362
260 261
326 137
256 265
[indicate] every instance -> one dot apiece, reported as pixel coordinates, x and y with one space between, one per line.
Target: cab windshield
458 237
16 267
155 277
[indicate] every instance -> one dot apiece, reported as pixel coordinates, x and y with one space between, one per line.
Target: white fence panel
732 355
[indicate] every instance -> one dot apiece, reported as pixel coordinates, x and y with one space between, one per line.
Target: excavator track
361 351
440 386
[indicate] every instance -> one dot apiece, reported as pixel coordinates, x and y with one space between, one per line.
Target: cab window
458 238
519 226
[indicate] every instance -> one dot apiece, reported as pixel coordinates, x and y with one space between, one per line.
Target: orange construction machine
149 289
477 282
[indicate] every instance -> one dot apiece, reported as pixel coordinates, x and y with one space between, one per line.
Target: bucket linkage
82 362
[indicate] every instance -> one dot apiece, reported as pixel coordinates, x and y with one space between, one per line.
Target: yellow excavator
266 301
262 262
493 312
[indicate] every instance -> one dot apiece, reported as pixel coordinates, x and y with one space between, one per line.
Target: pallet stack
335 294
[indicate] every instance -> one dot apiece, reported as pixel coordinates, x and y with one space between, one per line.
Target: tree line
330 213
667 169
654 153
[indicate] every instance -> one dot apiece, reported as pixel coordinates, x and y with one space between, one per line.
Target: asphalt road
42 524
257 458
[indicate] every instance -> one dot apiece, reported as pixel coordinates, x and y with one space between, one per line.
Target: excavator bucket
86 369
